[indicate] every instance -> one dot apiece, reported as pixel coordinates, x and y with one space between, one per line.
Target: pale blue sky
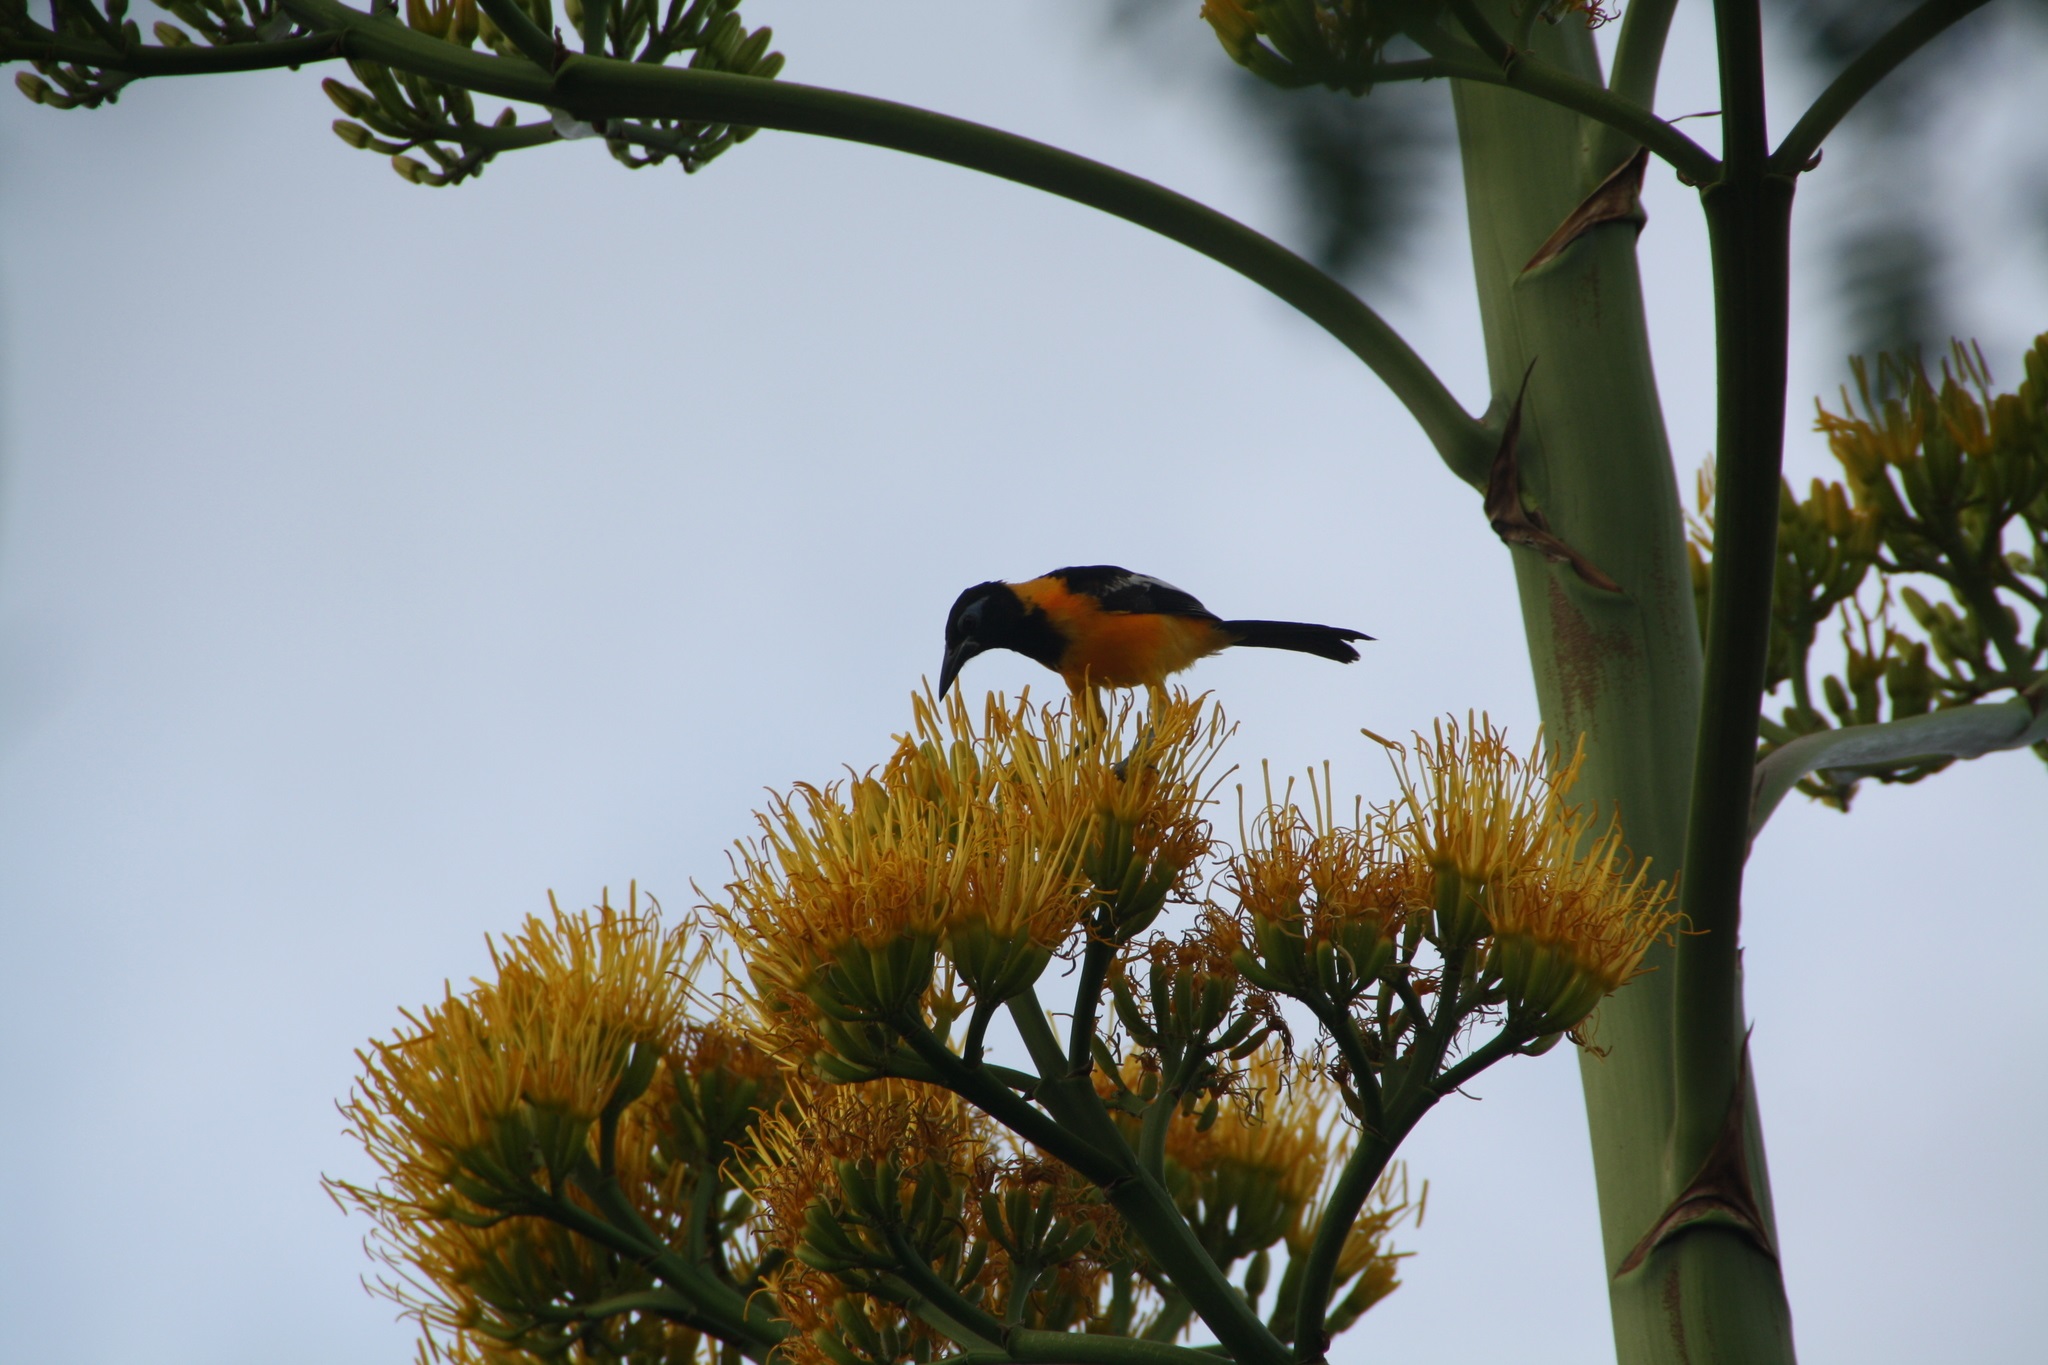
375 559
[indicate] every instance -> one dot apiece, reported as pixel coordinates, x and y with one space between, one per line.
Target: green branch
712 1307
665 1302
1362 1171
1141 1199
1749 220
596 89
967 1323
1070 1099
999 1102
1056 1348
1151 1214
1095 960
1030 1346
145 60
1877 61
1466 1069
1533 76
1638 58
1959 732
511 17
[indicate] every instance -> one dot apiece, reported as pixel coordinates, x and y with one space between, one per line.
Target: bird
1097 625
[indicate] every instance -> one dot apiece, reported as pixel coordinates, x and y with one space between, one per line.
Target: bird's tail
1327 642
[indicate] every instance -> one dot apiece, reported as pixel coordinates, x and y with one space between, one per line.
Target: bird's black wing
1121 590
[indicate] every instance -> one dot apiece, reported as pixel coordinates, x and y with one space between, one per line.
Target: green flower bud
995 967
416 172
1460 911
347 98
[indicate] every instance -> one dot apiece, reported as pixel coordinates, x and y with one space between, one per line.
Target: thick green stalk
1720 1273
1149 1211
1623 669
1362 1170
1749 217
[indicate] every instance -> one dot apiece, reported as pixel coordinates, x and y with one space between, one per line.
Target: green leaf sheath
1959 732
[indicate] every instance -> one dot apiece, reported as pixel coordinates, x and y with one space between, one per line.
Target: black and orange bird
1100 626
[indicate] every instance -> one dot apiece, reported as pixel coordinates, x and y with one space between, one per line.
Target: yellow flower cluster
1568 913
1325 902
1253 1174
482 1110
562 1135
1483 853
993 844
838 1162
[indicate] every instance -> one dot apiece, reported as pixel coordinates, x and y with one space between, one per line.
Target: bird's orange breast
1119 648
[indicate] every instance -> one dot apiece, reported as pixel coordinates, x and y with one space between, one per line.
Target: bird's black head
987 616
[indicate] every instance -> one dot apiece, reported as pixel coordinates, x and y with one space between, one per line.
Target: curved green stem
965 1322
665 1302
1141 1199
1502 1044
1362 1170
526 35
1749 217
708 1306
1002 1104
1533 76
1638 59
1343 1031
594 88
1150 1212
1070 1099
1876 62
1483 34
1095 960
174 61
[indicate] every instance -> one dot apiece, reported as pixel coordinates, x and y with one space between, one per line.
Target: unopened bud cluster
1927 565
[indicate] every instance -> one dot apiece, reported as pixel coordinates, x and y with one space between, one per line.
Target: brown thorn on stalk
1722 1194
1513 521
1618 199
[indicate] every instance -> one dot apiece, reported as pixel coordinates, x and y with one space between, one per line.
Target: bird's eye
970 619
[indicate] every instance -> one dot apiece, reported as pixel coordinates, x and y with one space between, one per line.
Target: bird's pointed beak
956 655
